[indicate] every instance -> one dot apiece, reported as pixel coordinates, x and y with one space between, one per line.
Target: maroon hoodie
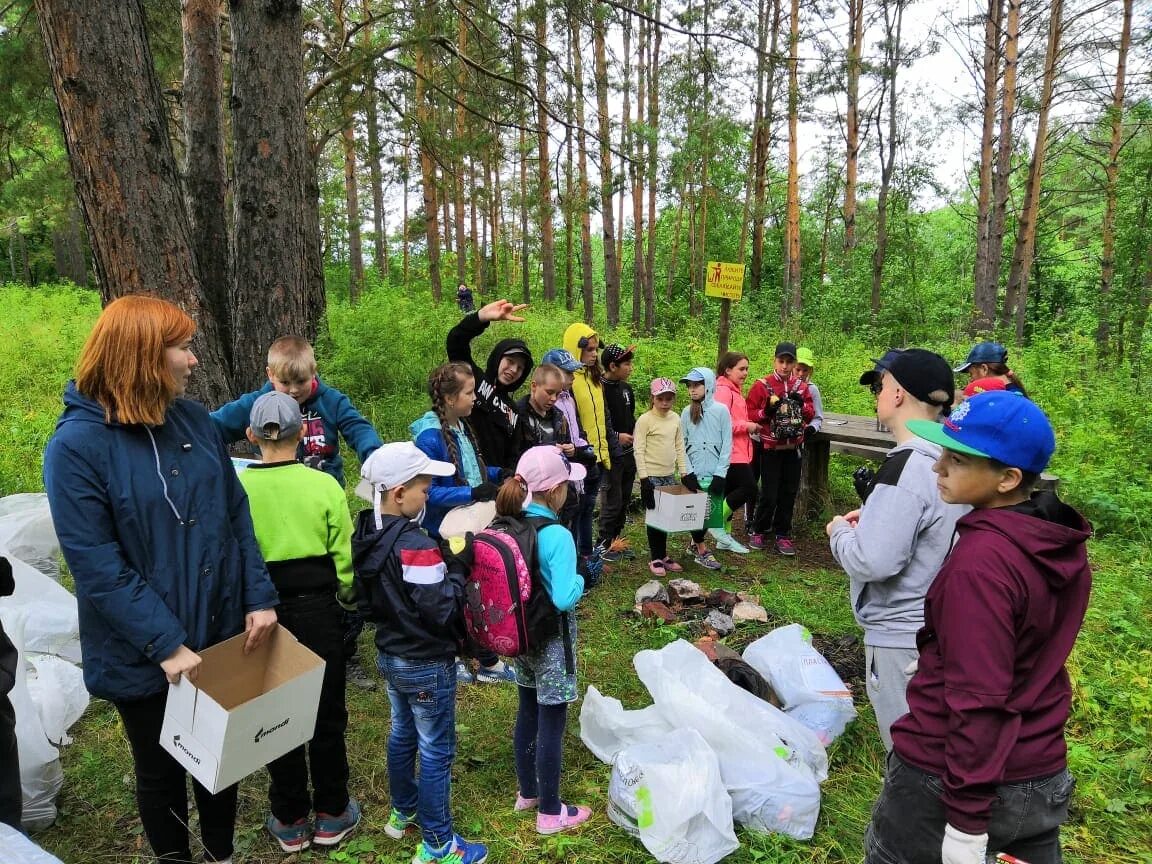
991 695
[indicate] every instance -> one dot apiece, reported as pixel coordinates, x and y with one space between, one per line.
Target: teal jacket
709 442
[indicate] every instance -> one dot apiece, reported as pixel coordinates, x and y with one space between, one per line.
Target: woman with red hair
155 528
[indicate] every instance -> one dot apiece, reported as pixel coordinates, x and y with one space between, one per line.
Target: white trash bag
52 623
668 793
606 726
771 764
27 533
811 690
15 848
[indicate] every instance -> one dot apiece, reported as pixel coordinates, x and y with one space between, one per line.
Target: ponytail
510 498
1013 379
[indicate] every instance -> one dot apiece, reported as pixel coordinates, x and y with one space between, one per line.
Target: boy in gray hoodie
893 546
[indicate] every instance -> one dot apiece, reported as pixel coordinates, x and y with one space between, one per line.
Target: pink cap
662 385
545 467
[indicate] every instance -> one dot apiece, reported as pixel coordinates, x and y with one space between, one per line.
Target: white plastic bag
668 792
52 624
15 848
27 533
606 727
770 763
806 683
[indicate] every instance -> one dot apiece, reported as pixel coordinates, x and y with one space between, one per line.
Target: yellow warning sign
725 281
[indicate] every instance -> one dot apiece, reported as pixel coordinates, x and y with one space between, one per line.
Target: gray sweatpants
887 677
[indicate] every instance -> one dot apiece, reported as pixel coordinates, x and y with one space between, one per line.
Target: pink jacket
729 395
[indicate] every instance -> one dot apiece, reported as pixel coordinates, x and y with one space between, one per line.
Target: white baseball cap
394 465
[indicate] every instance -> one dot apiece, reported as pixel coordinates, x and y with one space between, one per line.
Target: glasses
877 385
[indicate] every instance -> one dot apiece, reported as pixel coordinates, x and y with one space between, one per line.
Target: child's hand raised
502 310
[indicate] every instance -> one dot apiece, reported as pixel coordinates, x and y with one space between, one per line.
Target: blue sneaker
464 673
292 836
330 829
399 824
458 851
501 673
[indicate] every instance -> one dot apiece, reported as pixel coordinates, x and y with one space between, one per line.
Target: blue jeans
908 819
422 694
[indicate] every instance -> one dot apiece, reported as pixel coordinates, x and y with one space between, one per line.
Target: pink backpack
507 609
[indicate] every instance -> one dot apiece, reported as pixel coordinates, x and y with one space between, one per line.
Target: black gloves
485 492
457 552
863 479
7 582
795 397
689 482
716 487
648 494
809 431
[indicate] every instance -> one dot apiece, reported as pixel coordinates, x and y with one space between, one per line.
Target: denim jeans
422 694
908 819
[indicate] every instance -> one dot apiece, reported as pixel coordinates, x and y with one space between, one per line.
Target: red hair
122 364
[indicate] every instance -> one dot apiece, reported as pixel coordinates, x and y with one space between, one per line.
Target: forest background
335 168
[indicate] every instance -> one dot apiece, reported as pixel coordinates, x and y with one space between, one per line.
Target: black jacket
8 654
620 402
494 417
405 587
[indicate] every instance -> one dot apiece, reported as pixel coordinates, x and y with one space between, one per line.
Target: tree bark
636 162
893 22
583 199
653 136
607 178
271 290
462 146
352 201
115 131
425 134
375 174
1108 230
985 285
766 90
205 165
1016 295
793 294
852 118
1001 179
545 211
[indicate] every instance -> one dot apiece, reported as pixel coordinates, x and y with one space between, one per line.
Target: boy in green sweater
305 535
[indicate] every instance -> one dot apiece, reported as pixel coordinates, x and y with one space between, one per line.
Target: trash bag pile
41 620
708 753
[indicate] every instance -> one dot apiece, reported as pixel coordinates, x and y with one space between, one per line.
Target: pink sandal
523 803
562 821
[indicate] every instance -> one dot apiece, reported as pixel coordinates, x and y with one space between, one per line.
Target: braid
697 412
443 382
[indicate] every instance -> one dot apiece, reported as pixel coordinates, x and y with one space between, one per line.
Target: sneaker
784 546
456 851
671 566
727 542
523 803
330 829
568 817
756 541
355 675
610 557
501 673
293 836
398 825
706 560
656 568
464 673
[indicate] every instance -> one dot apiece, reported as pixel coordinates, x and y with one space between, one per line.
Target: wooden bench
852 435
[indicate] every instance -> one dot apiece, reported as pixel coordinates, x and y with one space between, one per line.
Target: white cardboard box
244 710
677 509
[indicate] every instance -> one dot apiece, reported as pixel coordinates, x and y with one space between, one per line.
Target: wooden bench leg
813 495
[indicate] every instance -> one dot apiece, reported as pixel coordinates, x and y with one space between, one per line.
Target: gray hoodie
898 546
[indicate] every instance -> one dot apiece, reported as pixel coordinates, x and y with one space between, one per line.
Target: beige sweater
659 446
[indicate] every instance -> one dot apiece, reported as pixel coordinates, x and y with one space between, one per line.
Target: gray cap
275 416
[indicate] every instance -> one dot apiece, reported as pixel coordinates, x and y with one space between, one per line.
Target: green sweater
303 527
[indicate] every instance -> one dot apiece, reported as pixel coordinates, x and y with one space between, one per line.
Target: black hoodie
494 417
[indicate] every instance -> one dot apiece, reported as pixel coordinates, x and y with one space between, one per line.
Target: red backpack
506 608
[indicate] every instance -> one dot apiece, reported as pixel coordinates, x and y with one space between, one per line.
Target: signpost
725 280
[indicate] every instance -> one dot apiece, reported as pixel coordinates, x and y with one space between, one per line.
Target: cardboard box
244 710
677 509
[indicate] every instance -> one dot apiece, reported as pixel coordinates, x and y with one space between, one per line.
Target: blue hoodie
155 527
448 492
328 414
708 443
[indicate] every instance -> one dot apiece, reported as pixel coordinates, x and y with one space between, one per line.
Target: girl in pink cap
546 675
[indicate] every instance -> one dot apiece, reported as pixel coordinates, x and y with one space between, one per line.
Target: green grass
380 353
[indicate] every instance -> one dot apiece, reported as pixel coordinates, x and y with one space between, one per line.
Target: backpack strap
539 523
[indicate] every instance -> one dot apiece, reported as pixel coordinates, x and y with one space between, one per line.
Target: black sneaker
355 675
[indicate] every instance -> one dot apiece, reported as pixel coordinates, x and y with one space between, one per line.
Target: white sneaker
727 542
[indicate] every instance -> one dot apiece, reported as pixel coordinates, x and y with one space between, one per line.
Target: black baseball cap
924 374
616 354
786 348
869 378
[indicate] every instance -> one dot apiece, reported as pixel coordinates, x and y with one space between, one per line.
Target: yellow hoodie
589 396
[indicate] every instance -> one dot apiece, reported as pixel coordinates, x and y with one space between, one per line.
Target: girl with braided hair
445 436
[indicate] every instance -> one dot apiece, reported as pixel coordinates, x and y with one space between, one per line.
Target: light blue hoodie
709 442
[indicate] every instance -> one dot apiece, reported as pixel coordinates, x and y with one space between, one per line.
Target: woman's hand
182 661
753 428
258 625
501 310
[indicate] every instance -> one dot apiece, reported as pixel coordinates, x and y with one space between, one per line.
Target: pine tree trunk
127 182
1001 179
892 30
570 203
852 118
636 163
766 87
607 178
425 134
376 176
547 229
405 179
1016 295
985 284
583 199
474 239
653 133
625 146
1108 230
793 295
205 168
352 201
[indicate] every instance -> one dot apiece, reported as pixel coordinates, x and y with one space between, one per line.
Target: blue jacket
328 414
709 442
155 527
556 552
445 492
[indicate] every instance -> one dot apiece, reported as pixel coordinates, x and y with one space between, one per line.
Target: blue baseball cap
563 359
1000 425
984 352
